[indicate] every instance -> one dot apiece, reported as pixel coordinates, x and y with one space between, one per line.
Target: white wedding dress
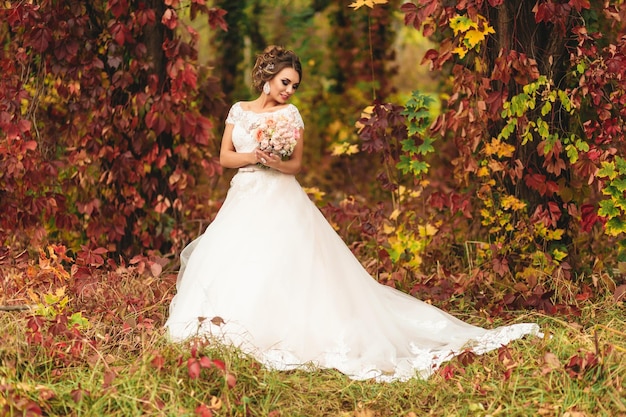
271 276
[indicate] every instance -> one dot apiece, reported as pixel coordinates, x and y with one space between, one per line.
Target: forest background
470 153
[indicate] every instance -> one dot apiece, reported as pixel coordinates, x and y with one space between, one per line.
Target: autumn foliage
520 176
511 178
503 190
103 122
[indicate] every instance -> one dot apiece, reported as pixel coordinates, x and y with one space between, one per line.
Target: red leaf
119 32
202 133
430 55
145 17
193 368
158 361
108 378
580 4
170 19
536 182
501 266
447 372
78 394
40 38
205 362
30 145
230 380
203 411
156 269
542 13
216 18
189 76
589 217
219 364
411 17
620 293
118 7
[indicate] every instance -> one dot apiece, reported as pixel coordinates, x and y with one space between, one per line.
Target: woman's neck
264 103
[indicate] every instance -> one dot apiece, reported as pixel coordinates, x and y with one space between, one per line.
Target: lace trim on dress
247 118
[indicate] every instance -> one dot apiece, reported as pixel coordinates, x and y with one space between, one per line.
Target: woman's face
284 84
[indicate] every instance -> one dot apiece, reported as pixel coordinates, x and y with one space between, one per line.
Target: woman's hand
267 159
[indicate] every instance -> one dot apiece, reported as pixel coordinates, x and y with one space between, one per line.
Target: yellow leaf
32 295
511 202
369 3
556 234
461 24
474 37
503 150
428 230
483 172
388 228
460 51
479 65
344 149
506 151
315 193
60 292
335 127
367 112
559 255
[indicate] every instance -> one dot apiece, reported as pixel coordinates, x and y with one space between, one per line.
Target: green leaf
607 170
615 226
508 129
608 209
620 203
409 146
620 184
404 164
419 167
559 255
572 153
426 146
612 191
78 319
414 166
520 103
543 128
582 145
546 108
565 101
621 165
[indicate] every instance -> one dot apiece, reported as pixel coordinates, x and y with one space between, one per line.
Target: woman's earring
266 88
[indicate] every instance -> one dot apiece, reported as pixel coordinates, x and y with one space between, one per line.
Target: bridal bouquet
277 135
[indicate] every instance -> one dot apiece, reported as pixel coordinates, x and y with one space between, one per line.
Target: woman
271 276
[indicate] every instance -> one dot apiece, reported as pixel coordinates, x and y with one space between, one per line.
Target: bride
272 277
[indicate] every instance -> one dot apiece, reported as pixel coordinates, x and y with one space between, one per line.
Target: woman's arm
229 158
290 166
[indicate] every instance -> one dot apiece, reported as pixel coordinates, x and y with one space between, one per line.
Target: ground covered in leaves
79 343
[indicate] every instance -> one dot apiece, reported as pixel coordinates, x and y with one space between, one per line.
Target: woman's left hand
273 161
267 159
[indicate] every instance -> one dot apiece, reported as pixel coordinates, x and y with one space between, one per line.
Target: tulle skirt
272 277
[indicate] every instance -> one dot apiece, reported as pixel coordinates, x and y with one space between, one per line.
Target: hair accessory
269 67
266 88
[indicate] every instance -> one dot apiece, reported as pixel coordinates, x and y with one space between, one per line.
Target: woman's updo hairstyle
269 63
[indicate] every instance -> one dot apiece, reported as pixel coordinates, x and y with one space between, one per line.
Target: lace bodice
246 121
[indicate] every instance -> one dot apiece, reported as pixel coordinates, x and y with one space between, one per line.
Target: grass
125 367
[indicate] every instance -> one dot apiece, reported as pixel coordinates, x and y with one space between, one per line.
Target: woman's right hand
261 157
